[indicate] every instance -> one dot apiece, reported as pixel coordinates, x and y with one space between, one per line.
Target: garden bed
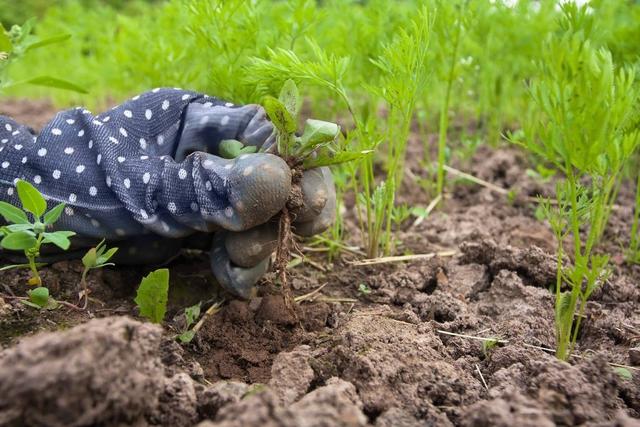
405 349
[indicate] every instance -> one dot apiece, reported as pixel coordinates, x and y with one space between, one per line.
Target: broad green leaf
152 295
102 259
317 132
54 82
89 259
31 198
19 227
18 241
39 296
48 41
230 148
13 214
52 216
186 337
59 238
279 115
290 98
192 313
343 157
5 41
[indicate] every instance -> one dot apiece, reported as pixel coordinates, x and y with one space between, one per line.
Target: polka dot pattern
116 172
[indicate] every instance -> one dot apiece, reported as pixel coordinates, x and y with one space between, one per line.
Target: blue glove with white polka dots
149 172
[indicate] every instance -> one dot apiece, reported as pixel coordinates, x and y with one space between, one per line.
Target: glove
152 166
240 258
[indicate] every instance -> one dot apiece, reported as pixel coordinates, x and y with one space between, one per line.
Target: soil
383 357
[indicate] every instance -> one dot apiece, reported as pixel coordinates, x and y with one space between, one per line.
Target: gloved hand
239 257
152 165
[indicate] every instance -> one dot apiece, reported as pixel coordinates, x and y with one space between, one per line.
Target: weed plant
29 234
16 43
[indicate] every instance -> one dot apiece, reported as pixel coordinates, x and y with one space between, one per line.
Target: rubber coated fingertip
236 280
249 248
259 187
314 193
327 216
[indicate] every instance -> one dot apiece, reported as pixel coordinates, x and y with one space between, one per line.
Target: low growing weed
29 234
191 314
39 299
95 258
153 294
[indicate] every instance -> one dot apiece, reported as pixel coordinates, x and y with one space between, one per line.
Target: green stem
31 256
34 269
444 113
574 338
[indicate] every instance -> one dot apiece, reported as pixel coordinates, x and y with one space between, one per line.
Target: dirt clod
106 371
335 404
291 374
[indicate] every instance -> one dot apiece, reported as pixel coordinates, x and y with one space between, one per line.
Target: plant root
285 237
283 255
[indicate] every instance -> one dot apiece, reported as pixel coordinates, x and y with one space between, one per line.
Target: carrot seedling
582 125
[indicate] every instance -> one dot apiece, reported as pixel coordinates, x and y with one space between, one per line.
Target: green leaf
19 227
364 289
186 337
54 82
13 214
230 148
89 259
317 132
52 216
39 296
48 41
279 115
31 198
152 295
624 373
342 157
290 98
5 41
102 259
19 241
488 345
59 238
192 313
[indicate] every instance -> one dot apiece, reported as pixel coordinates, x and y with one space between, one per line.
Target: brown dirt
34 113
387 359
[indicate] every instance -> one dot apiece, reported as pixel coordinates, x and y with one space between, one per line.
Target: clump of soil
106 371
241 341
